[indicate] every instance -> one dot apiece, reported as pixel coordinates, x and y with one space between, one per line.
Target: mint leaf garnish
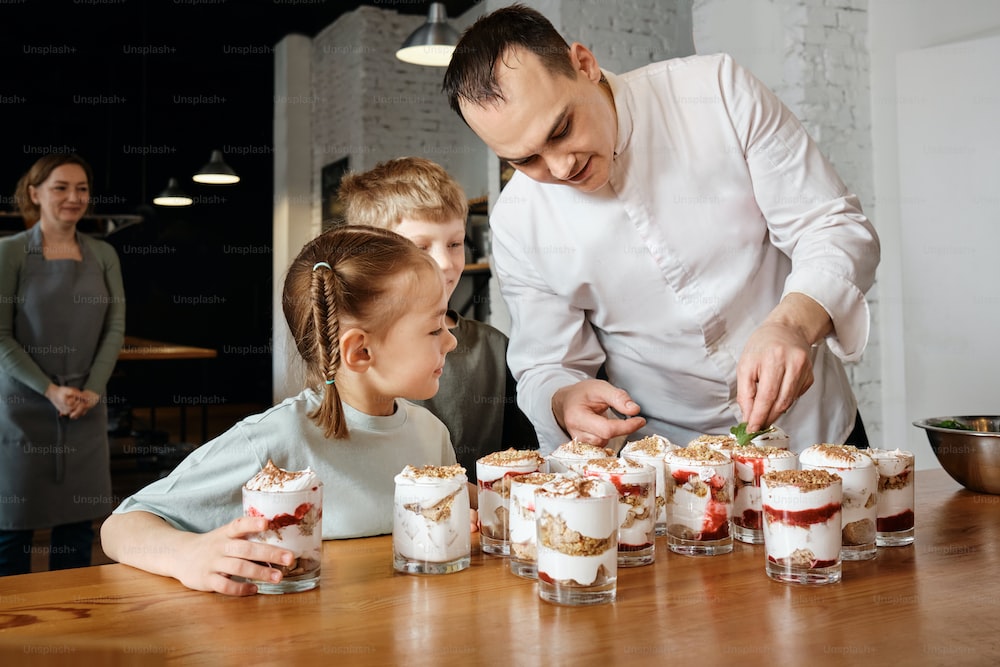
742 437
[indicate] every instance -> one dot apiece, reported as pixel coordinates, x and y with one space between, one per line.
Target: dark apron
54 470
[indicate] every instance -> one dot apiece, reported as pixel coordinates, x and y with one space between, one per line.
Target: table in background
137 349
935 602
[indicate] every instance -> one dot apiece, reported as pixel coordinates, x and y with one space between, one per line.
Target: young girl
366 309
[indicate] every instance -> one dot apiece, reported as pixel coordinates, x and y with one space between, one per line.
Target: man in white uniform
674 225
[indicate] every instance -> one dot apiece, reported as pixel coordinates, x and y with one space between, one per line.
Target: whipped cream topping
614 465
566 486
513 458
275 479
575 449
891 462
430 474
835 456
654 445
700 453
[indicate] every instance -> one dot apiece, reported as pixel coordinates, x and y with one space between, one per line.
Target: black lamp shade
216 172
173 195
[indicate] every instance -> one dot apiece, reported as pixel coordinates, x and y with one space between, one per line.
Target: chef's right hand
214 557
581 411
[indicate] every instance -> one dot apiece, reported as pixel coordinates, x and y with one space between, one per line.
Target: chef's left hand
776 365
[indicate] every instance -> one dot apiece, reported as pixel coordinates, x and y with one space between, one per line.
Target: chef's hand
86 400
211 559
776 365
64 399
581 411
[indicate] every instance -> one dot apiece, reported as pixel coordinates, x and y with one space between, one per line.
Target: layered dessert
292 503
636 485
860 494
894 522
430 531
577 539
570 456
720 443
699 500
495 472
650 450
749 464
802 525
523 550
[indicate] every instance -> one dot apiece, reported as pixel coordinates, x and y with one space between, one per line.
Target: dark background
144 90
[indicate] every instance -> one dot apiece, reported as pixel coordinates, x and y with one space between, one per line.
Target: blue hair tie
330 381
319 264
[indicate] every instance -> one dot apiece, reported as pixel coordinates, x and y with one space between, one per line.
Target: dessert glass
636 486
576 521
523 559
495 473
802 525
894 525
650 451
292 503
860 494
430 529
570 456
749 463
699 501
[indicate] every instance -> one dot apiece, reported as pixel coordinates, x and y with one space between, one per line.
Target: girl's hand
212 559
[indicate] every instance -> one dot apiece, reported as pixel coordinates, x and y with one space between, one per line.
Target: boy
417 198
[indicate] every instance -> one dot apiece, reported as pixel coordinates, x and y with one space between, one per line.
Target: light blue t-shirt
205 490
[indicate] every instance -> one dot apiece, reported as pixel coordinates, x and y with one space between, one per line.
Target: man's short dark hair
471 75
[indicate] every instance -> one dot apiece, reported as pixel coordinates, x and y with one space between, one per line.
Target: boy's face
445 241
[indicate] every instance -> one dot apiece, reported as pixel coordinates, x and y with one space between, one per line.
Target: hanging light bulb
432 43
216 172
172 195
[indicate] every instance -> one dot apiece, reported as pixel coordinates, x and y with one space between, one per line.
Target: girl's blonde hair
348 276
406 187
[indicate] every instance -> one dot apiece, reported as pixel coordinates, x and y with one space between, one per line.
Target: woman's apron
54 470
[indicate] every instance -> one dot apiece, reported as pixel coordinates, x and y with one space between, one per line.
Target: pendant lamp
216 172
172 195
432 43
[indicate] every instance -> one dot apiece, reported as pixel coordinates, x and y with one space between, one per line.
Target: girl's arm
200 561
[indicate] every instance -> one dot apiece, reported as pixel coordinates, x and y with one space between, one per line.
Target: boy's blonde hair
406 187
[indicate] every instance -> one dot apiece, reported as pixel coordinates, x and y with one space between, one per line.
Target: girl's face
408 359
63 196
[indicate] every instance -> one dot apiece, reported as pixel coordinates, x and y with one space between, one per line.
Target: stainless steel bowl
968 448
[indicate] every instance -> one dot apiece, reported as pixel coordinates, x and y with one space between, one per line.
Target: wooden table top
935 602
144 349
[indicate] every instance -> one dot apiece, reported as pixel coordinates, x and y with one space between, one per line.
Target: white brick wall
824 79
373 107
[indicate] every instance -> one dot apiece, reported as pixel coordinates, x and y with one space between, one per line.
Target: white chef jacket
718 205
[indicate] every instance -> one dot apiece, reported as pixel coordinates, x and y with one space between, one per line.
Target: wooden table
935 602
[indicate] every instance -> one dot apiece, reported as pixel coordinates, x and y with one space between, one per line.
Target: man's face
554 128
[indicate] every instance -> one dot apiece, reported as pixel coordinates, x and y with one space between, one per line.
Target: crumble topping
700 453
653 445
513 457
805 480
434 472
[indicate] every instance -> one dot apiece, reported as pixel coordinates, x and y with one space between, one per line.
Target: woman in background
62 322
